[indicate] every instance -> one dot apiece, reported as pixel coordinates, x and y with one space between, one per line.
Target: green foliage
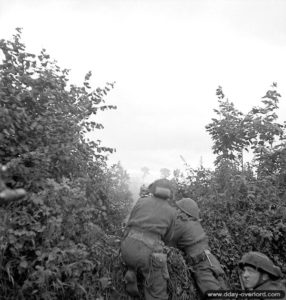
43 120
243 214
58 242
145 171
120 198
228 131
165 173
257 130
243 206
51 247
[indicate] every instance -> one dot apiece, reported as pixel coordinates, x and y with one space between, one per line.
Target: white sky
167 58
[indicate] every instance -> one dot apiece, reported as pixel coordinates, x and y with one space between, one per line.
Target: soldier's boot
130 279
8 195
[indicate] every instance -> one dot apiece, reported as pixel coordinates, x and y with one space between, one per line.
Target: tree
145 171
165 173
228 131
234 132
269 142
52 241
244 210
43 119
120 198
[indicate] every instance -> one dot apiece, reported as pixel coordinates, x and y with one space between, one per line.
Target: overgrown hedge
61 240
247 214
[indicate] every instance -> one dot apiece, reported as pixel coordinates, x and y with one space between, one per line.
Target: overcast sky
167 58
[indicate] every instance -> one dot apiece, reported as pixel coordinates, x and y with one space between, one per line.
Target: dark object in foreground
181 285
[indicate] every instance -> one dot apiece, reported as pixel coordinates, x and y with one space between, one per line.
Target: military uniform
262 264
190 237
273 285
151 223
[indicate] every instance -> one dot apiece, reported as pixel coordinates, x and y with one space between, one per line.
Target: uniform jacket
155 215
273 285
189 236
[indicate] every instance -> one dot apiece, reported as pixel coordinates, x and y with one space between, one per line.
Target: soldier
144 191
190 237
151 223
6 194
260 273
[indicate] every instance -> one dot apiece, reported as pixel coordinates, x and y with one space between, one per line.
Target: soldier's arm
170 232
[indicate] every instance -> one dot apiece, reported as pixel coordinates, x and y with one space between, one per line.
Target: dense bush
243 205
61 240
58 242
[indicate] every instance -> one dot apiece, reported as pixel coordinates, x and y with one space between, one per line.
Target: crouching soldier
190 237
151 223
258 272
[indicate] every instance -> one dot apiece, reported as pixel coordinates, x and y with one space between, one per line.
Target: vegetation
243 205
53 245
61 240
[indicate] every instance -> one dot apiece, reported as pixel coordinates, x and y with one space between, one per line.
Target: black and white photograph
142 149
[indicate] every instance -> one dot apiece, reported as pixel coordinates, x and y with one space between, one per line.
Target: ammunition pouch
159 260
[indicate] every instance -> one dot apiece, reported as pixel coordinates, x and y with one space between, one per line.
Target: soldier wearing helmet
190 237
144 191
258 272
150 225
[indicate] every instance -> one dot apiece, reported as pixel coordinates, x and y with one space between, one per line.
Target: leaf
23 264
34 125
105 282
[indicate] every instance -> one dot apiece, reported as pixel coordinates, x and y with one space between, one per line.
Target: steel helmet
260 261
161 188
189 206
